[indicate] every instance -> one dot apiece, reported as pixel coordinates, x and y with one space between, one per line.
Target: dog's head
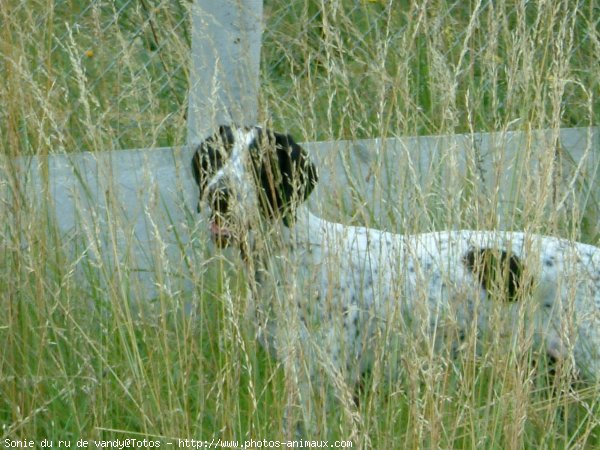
248 174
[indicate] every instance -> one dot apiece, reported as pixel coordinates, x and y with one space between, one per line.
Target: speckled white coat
335 297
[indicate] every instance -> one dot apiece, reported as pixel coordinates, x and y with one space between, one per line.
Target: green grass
392 68
84 355
93 75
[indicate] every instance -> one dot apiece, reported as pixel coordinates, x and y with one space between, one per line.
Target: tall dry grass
82 359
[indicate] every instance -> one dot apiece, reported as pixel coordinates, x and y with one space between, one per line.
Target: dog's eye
205 163
214 152
212 160
211 155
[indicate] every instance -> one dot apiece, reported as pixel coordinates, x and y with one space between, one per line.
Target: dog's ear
209 156
499 272
285 174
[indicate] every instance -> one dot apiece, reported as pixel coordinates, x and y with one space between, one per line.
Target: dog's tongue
218 231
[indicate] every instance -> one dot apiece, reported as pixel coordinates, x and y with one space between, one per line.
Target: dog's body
349 284
330 296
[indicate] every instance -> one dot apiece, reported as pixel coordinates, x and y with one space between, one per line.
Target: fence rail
132 212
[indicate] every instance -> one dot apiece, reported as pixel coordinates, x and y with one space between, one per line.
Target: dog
332 299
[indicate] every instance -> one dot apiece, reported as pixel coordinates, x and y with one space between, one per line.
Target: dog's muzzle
221 229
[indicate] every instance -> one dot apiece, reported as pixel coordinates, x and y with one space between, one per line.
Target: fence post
226 38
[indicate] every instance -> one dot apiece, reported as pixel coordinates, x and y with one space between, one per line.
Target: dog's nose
218 198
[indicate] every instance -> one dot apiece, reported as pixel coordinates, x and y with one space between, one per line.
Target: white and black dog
334 298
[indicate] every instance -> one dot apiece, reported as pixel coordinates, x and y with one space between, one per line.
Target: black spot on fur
497 269
284 173
369 281
209 156
549 262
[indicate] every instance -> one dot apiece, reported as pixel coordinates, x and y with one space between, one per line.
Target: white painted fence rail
387 178
133 211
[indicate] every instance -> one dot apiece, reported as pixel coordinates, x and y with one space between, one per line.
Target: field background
79 361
